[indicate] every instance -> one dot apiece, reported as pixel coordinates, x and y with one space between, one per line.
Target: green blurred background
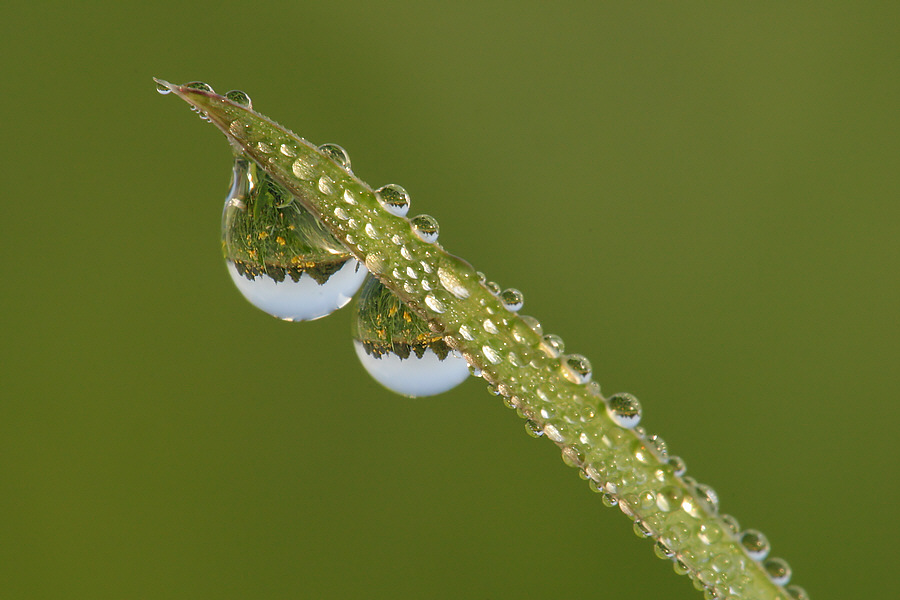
700 197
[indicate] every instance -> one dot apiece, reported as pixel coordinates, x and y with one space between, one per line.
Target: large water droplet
162 87
240 98
426 227
624 409
398 349
279 256
337 154
576 368
755 543
393 198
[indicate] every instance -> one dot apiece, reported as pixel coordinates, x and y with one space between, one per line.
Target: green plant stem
627 468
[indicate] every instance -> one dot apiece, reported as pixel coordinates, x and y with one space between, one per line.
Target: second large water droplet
397 347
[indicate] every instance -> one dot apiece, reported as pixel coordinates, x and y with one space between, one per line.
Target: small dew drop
466 333
162 88
371 232
337 154
326 185
576 368
731 524
411 273
669 498
349 198
264 148
709 533
532 324
641 530
533 429
393 198
625 410
512 299
451 283
199 85
797 593
287 151
553 345
779 570
709 496
678 465
425 227
490 354
554 433
374 262
341 214
434 303
240 98
493 288
303 169
489 326
663 551
755 543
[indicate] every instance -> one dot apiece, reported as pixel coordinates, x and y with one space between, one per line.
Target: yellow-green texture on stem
598 436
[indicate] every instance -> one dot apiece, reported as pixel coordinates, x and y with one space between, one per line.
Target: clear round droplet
162 88
709 533
755 543
240 98
709 496
337 154
669 498
778 569
663 551
398 349
280 257
199 85
553 345
797 593
533 429
492 287
426 227
679 467
731 524
576 368
533 324
624 409
393 198
512 299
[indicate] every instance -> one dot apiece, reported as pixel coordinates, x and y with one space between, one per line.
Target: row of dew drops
412 363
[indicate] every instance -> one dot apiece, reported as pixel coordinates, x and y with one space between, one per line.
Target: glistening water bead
280 257
394 199
397 347
624 409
